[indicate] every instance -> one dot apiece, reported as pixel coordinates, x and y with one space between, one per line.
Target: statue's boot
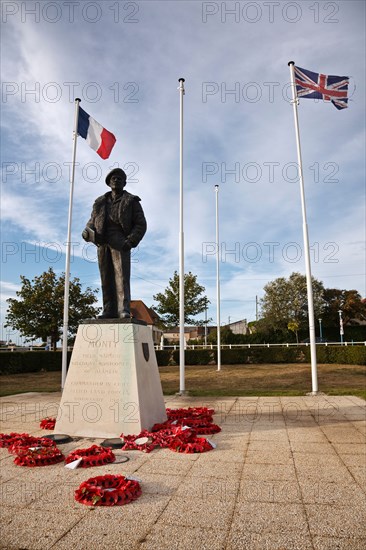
125 315
108 315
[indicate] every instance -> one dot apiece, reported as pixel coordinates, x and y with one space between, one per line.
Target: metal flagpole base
183 393
113 443
315 394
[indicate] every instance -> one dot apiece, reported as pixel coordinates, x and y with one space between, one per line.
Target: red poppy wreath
48 424
38 456
15 442
93 456
108 490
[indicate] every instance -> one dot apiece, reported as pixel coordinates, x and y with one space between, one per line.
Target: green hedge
234 356
16 362
195 357
163 357
348 355
36 361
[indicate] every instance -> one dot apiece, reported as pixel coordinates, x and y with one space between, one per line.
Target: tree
38 313
348 301
194 300
294 327
285 301
226 336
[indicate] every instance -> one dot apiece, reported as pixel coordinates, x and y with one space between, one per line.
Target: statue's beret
113 172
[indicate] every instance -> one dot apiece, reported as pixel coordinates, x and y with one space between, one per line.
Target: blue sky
123 59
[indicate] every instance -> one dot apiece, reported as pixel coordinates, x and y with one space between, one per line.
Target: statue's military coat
131 218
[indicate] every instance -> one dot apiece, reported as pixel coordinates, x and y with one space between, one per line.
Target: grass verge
232 380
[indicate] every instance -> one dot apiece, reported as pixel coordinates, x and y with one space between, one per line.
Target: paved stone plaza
288 473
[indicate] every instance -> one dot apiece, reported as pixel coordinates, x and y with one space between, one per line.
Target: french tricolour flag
98 137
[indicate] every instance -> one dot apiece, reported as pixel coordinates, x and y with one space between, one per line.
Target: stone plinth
113 384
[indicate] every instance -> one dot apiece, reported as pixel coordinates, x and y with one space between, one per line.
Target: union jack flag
320 86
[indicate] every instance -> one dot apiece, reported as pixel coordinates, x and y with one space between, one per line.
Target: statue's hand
85 235
126 246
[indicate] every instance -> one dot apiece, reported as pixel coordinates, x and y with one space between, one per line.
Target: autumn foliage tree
348 301
285 305
37 312
285 301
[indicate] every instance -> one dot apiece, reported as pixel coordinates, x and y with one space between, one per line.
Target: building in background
140 311
239 327
171 335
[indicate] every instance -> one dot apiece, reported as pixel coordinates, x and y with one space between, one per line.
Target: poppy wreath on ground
177 438
165 437
23 445
48 424
200 425
193 421
199 418
208 429
193 445
178 433
160 438
7 440
15 442
108 490
174 414
43 456
131 445
93 456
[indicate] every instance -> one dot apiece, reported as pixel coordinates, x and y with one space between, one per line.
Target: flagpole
181 249
68 250
218 280
295 100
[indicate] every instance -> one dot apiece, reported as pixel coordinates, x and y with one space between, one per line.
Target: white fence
243 346
202 346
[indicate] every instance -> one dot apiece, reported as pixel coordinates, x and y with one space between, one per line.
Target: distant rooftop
140 311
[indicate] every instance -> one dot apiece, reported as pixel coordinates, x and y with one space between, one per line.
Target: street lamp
320 330
341 332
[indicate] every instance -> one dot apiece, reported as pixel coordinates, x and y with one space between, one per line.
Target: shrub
234 356
36 361
163 357
275 355
195 356
16 362
349 355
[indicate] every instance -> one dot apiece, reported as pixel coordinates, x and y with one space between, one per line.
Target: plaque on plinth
113 384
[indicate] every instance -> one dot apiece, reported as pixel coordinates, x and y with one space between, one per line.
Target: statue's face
117 183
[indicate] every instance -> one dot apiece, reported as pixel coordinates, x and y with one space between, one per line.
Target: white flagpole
181 249
68 250
314 376
218 280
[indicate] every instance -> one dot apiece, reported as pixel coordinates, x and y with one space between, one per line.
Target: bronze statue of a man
117 224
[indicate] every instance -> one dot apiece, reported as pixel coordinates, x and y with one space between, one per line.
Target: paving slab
268 541
337 521
36 529
183 538
269 472
333 543
190 512
269 491
288 473
119 527
270 517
